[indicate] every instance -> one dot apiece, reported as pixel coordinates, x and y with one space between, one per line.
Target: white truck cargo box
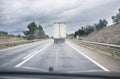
59 31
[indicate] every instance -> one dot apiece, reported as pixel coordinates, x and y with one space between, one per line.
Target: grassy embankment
109 35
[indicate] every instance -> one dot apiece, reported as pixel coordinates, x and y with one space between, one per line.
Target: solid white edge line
105 69
21 63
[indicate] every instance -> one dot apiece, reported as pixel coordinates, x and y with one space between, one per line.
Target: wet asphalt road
44 54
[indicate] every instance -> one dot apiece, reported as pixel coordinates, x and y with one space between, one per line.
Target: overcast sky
15 15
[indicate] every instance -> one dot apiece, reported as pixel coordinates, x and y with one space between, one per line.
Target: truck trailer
59 32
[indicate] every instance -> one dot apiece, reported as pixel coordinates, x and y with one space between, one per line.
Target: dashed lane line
21 63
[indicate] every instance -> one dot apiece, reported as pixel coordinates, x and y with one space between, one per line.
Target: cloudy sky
15 15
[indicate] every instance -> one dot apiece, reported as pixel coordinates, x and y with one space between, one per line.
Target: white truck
59 32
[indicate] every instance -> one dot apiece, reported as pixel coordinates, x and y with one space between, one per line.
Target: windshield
67 36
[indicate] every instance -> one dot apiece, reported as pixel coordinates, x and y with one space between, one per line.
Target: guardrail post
113 52
95 46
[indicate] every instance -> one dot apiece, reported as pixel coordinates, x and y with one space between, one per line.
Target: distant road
44 54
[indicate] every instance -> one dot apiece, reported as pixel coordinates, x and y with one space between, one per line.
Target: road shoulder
108 62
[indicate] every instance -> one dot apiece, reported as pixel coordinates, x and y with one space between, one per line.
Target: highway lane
62 58
11 56
44 54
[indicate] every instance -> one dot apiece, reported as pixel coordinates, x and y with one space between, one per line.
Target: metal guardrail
111 46
103 44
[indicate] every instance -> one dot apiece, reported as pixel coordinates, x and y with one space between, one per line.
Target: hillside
110 34
9 38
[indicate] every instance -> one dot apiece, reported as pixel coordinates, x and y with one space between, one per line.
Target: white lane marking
21 63
35 69
105 69
33 51
29 54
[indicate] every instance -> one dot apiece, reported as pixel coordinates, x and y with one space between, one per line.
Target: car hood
34 73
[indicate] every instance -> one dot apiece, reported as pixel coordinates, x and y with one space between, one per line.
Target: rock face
110 34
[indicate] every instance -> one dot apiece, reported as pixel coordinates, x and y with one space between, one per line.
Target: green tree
41 33
76 33
34 31
89 29
116 18
31 30
81 31
101 24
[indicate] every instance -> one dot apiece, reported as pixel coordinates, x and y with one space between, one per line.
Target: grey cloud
16 14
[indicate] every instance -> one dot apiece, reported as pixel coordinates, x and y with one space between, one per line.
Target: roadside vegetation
6 37
84 31
34 32
100 32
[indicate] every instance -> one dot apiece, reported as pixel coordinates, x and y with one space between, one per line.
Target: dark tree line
83 31
101 24
98 26
3 33
34 32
